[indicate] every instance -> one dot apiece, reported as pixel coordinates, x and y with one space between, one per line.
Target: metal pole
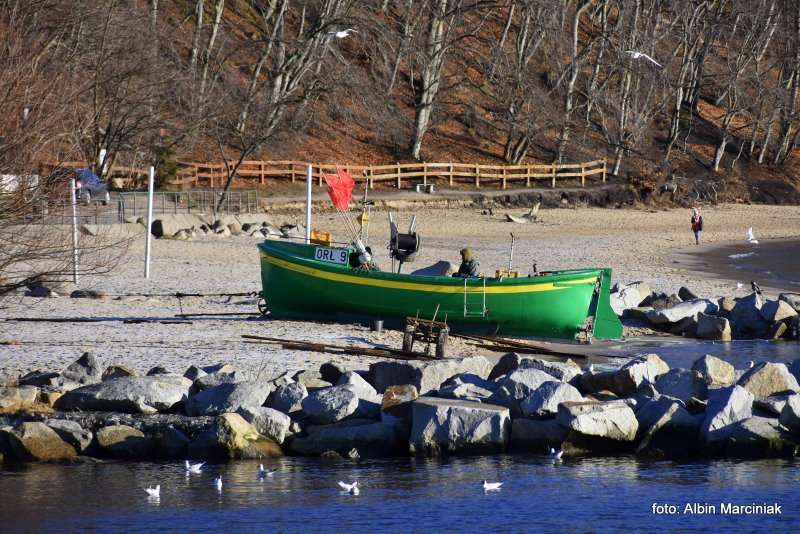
74 232
308 205
511 255
148 231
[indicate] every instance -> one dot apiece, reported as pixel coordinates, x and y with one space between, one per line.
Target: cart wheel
262 306
441 342
408 339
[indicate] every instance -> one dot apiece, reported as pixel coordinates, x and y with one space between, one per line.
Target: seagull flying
154 492
491 486
636 55
341 34
194 468
264 472
218 483
556 454
750 238
349 488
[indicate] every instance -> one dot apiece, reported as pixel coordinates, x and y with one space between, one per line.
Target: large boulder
467 387
331 371
507 363
289 398
228 398
516 386
725 407
85 370
123 442
370 438
329 405
746 317
682 384
167 225
767 379
40 378
117 371
629 296
713 327
231 437
627 379
613 420
667 428
757 437
136 394
426 376
71 432
13 400
536 435
777 310
545 399
453 426
716 372
563 371
217 378
36 441
790 415
268 422
682 311
792 299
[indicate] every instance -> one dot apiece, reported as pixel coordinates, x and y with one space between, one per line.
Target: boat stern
606 324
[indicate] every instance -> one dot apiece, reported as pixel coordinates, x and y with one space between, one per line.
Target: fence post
527 176
583 175
604 170
424 173
319 176
399 183
477 176
504 176
553 170
451 173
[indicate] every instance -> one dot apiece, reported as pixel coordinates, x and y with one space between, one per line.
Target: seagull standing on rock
194 468
491 486
154 492
350 488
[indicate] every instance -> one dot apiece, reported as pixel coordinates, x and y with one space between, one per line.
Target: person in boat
469 265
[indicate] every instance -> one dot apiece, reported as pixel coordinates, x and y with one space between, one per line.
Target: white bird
265 472
491 486
750 364
750 238
194 468
154 492
739 285
556 454
218 483
350 488
636 55
341 34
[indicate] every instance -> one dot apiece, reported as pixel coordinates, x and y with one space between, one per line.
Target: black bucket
377 325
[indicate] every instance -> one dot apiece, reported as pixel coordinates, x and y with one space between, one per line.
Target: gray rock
331 372
682 384
563 371
35 441
507 363
283 379
221 367
613 420
629 296
85 370
686 294
311 378
766 379
536 435
773 405
681 311
137 394
746 317
13 400
329 405
158 370
193 373
40 378
792 299
270 423
71 432
426 376
218 378
777 310
467 387
716 372
227 398
545 399
289 398
369 401
627 379
123 442
713 327
757 437
517 386
371 438
453 426
725 407
117 371
790 415
231 437
667 428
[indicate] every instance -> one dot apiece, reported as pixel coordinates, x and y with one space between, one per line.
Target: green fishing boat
311 282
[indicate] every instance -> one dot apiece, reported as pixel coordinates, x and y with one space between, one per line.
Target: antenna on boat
511 254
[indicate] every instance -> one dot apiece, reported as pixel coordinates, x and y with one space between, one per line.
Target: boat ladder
470 304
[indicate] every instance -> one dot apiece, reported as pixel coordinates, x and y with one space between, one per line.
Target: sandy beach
636 244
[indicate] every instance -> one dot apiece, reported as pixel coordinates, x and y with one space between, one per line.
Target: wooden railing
214 174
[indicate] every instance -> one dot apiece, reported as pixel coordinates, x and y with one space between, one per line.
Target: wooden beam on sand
335 348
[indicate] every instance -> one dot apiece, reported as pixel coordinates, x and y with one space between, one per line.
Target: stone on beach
371 438
777 310
289 398
467 386
137 394
792 299
507 363
269 422
682 384
746 317
35 441
563 371
790 415
613 420
369 400
629 296
85 370
681 311
547 397
228 398
454 426
666 427
17 399
628 378
715 371
123 442
41 378
725 407
517 386
713 327
331 372
767 379
311 378
329 405
71 432
757 437
231 437
117 371
426 376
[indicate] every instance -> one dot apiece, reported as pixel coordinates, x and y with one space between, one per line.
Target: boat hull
296 285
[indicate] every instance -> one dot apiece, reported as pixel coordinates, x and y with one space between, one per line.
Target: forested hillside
698 95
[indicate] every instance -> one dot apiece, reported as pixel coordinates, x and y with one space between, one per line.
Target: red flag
340 188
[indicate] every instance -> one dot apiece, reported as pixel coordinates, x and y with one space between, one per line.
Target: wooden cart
428 331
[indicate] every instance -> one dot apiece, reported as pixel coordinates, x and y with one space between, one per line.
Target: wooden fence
258 172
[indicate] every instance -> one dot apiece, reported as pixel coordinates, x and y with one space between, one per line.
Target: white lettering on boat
331 255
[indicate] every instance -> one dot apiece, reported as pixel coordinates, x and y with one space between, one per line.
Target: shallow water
577 495
679 352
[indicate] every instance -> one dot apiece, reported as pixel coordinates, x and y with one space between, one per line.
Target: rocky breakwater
454 406
753 316
189 226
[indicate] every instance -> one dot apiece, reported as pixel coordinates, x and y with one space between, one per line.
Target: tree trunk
198 28
218 9
563 137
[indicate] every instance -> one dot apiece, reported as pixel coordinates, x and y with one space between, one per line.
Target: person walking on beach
697 225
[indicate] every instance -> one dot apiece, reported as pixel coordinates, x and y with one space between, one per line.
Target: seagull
194 468
341 34
739 285
491 486
750 238
154 492
750 364
637 55
349 488
556 454
264 472
218 483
